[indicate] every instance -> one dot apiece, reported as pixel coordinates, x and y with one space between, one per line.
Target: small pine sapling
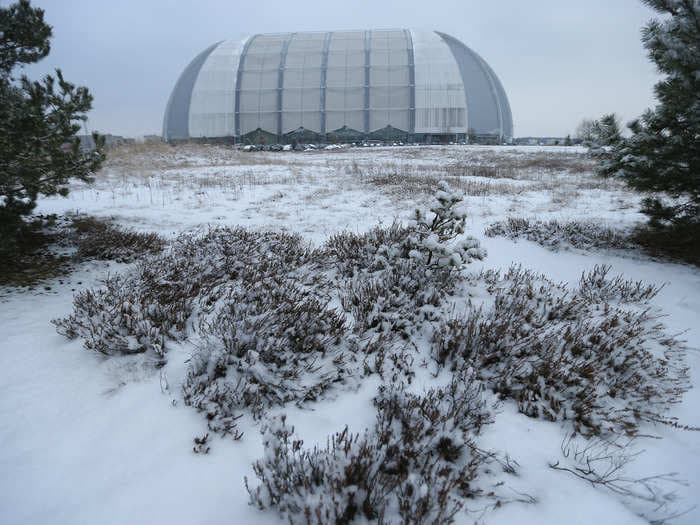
434 234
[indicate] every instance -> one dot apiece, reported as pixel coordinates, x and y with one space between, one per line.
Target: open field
87 438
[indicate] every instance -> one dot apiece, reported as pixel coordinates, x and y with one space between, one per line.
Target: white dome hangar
418 86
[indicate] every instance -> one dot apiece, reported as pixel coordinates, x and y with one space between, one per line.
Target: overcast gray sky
559 60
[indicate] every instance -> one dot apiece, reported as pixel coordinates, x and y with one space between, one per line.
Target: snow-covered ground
89 439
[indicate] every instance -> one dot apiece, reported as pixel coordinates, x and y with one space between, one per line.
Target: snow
89 439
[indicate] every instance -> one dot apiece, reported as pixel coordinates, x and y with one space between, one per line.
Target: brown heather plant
274 321
37 257
101 239
677 244
259 304
555 234
595 355
419 462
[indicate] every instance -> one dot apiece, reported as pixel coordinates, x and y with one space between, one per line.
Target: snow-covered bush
433 234
383 288
360 253
100 239
274 321
555 234
595 354
416 465
272 341
398 277
155 300
396 299
117 319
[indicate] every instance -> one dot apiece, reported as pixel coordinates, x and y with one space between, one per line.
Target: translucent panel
398 76
379 76
384 57
312 120
308 58
302 78
394 57
249 100
352 119
301 99
387 38
305 50
351 76
293 78
389 79
380 97
212 108
249 122
266 79
346 58
269 79
346 81
268 122
297 78
347 40
390 97
258 100
381 118
252 121
442 118
439 91
389 75
400 119
312 78
293 120
259 79
260 76
345 98
268 100
378 119
312 98
292 100
336 76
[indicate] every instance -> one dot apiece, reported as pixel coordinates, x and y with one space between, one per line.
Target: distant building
542 141
343 86
87 143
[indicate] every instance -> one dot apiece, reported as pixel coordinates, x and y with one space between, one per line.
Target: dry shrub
101 239
117 319
596 354
274 341
137 311
418 462
555 234
372 251
263 308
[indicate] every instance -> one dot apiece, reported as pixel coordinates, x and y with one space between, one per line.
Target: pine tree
608 131
663 154
39 150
